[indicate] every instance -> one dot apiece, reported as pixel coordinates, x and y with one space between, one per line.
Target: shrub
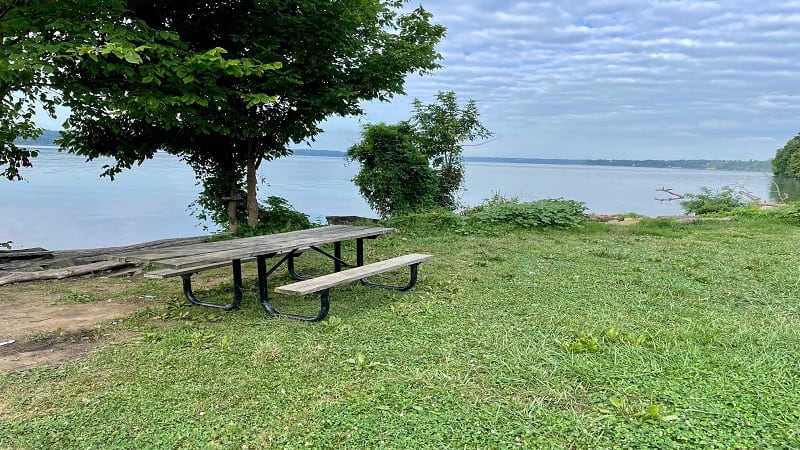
276 215
712 201
556 213
789 213
496 199
395 178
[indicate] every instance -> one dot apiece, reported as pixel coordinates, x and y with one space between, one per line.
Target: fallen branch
757 200
58 274
675 196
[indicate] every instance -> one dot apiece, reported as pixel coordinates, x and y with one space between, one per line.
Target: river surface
64 204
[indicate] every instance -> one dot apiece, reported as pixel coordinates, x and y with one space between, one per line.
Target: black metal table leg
237 289
263 295
412 281
290 268
337 253
360 252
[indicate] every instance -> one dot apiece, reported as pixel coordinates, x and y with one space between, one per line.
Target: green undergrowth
654 335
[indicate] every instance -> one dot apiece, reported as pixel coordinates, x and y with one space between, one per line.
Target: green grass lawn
656 335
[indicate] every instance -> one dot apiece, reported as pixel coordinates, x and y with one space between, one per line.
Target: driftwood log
28 253
58 274
39 264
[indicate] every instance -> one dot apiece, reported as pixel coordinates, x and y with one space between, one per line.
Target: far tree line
704 164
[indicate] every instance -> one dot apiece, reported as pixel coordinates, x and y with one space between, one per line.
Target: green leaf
132 57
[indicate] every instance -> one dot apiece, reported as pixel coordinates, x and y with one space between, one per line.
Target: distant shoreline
698 164
46 141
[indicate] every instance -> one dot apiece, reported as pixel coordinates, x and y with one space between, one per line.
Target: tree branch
480 143
669 191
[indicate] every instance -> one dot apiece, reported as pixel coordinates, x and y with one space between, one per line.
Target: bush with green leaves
276 215
545 213
395 177
496 199
788 213
710 201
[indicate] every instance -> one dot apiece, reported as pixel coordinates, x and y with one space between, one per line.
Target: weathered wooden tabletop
209 252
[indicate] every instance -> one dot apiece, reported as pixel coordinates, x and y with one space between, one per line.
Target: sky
642 79
612 79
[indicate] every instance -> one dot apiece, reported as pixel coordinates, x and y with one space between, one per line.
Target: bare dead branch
674 195
757 200
782 196
479 143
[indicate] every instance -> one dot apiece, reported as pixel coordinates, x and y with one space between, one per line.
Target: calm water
64 204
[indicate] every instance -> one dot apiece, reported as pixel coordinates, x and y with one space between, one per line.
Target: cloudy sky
635 79
614 79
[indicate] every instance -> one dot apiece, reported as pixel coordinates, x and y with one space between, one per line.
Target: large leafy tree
333 55
55 49
49 45
442 128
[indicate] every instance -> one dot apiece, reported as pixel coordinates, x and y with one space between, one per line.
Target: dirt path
47 334
35 332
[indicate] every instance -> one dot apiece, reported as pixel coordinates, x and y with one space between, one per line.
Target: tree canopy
196 78
37 38
417 164
787 159
441 129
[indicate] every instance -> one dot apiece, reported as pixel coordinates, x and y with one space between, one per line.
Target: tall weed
712 201
545 213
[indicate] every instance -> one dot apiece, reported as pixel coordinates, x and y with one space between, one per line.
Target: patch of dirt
54 349
615 219
35 332
627 221
44 334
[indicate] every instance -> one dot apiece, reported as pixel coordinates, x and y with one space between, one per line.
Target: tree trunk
233 221
252 200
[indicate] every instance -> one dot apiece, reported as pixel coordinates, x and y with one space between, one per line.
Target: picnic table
184 261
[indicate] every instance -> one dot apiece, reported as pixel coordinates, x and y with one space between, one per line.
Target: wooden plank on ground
58 274
25 254
334 279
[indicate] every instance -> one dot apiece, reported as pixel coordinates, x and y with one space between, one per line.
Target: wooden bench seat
325 282
170 272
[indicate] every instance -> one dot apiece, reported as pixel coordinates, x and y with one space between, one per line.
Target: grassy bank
659 335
